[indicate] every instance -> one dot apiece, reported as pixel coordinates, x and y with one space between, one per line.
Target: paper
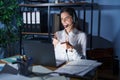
10 59
71 69
57 78
20 77
10 68
1 66
82 62
37 69
59 62
80 67
41 69
13 77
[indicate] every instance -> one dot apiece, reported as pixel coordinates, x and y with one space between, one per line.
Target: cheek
69 22
64 22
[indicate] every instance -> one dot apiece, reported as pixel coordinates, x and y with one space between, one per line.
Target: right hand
55 41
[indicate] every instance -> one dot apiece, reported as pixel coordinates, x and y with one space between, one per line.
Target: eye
66 18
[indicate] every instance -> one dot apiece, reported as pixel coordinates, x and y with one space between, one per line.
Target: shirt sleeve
83 43
59 52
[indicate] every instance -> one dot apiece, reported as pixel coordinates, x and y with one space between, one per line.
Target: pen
66 50
63 42
67 54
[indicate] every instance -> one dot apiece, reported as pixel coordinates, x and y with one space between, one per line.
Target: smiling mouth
65 26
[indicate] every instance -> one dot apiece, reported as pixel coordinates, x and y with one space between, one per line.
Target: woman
69 43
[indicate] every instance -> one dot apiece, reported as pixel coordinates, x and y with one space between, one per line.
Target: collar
73 32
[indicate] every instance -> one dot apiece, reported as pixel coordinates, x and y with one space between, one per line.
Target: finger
63 42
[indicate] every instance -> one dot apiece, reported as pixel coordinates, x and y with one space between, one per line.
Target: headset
74 16
70 11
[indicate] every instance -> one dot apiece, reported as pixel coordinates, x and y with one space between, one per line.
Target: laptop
41 52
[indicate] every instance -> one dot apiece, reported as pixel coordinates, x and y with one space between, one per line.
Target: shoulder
59 32
79 32
82 33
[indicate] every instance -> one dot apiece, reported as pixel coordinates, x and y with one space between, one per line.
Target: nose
64 21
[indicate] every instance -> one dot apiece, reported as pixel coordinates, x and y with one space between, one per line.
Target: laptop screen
41 52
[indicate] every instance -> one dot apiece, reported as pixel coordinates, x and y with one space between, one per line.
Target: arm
55 40
65 45
83 43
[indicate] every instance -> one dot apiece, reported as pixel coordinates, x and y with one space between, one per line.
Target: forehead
64 14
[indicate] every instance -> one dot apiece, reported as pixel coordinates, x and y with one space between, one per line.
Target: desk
82 73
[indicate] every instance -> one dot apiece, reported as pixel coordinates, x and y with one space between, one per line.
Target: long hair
71 12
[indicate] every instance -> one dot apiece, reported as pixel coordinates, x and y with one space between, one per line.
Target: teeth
66 25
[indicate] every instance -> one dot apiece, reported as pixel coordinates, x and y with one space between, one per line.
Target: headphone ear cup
74 17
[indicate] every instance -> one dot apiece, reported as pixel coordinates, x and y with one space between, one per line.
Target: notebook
42 53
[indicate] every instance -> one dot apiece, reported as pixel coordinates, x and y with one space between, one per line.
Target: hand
55 41
67 45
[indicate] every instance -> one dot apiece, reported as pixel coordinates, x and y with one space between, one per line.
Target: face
66 19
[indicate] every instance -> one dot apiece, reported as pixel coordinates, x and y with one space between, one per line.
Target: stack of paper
9 68
1 66
80 67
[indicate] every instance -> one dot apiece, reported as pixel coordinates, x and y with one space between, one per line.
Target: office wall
110 22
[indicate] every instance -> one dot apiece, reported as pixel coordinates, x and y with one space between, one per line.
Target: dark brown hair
71 12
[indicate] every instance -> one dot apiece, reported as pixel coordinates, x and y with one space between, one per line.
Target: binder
56 23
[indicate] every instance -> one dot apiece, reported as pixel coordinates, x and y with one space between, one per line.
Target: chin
65 27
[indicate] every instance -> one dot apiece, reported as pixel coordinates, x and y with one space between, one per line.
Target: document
37 69
50 78
46 74
80 67
20 77
10 59
41 69
6 76
57 78
1 66
9 68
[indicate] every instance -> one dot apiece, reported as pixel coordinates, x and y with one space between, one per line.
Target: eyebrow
66 17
